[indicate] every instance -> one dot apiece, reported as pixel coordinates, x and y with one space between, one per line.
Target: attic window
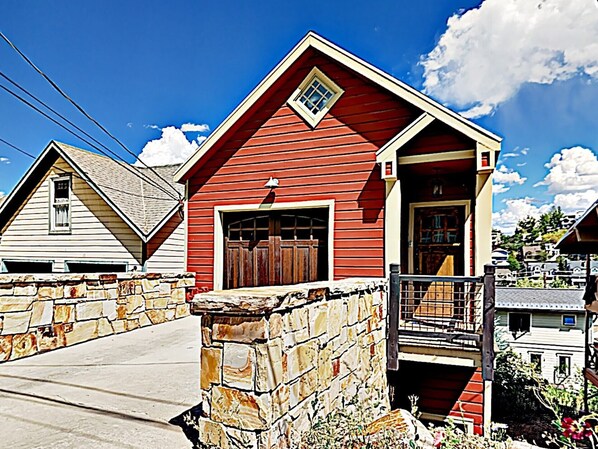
60 204
315 96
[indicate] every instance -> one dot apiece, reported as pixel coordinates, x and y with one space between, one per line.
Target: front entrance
438 251
275 248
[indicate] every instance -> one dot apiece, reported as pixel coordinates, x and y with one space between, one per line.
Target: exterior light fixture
272 183
437 185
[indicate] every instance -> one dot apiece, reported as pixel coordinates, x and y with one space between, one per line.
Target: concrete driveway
115 392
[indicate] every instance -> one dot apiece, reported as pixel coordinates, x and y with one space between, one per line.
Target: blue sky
527 71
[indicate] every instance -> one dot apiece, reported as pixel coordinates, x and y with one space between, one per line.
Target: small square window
569 320
519 322
314 97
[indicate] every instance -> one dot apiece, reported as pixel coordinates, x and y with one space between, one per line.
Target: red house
331 168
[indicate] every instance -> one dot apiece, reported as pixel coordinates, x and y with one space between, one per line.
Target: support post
587 362
392 347
488 323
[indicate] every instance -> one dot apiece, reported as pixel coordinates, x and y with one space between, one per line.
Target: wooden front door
438 251
275 248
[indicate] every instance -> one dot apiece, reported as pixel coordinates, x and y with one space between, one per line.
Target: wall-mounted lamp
272 183
437 185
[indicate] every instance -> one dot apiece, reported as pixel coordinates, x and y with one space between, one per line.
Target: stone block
96 295
186 282
41 313
270 365
281 402
16 303
5 347
51 338
16 323
23 345
121 311
64 313
296 320
156 316
165 288
50 292
275 325
211 367
352 310
109 309
144 320
177 296
301 359
337 316
182 310
135 304
86 330
169 314
150 285
325 367
213 434
239 329
104 327
89 310
132 324
160 302
25 290
241 409
119 326
7 290
238 366
112 293
318 320
75 291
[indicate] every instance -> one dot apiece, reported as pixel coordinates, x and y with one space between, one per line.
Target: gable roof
375 75
141 205
582 236
545 299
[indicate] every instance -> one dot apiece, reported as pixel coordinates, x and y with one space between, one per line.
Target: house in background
77 211
546 327
333 169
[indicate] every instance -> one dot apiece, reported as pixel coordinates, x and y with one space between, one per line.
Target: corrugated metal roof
555 299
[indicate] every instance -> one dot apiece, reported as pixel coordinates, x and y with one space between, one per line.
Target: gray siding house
545 326
77 211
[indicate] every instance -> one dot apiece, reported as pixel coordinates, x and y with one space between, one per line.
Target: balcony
442 312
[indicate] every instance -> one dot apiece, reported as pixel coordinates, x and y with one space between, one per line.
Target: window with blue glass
569 320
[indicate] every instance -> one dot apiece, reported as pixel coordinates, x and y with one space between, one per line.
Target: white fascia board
389 150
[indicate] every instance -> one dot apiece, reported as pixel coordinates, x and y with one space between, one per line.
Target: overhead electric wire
80 109
32 96
125 165
60 170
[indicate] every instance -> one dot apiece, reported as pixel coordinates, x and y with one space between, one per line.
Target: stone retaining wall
40 313
275 359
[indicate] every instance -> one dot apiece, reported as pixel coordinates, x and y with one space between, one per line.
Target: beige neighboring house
77 211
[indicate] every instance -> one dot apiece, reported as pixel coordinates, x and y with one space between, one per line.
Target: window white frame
54 229
540 355
293 101
519 313
568 325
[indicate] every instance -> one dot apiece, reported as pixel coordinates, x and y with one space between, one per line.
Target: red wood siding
334 161
444 390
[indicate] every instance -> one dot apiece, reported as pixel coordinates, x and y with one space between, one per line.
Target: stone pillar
275 359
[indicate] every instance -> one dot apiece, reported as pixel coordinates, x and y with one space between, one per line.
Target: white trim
405 135
186 226
219 230
466 230
402 90
436 157
299 107
438 359
568 326
52 180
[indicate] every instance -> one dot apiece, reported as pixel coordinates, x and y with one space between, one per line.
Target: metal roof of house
550 299
139 203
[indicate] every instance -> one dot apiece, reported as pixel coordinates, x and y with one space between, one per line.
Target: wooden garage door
279 248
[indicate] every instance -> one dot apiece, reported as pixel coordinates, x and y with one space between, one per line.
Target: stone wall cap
54 278
263 300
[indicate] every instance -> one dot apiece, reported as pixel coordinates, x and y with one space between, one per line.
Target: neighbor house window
569 320
536 361
60 204
519 322
564 367
315 96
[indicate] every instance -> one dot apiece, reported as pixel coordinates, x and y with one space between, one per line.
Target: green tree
514 264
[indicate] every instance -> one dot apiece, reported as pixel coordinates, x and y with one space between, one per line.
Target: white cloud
575 202
504 178
488 53
508 155
571 170
516 209
171 148
130 125
152 127
192 127
4 160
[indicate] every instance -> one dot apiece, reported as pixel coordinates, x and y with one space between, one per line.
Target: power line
80 109
60 170
30 95
124 165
